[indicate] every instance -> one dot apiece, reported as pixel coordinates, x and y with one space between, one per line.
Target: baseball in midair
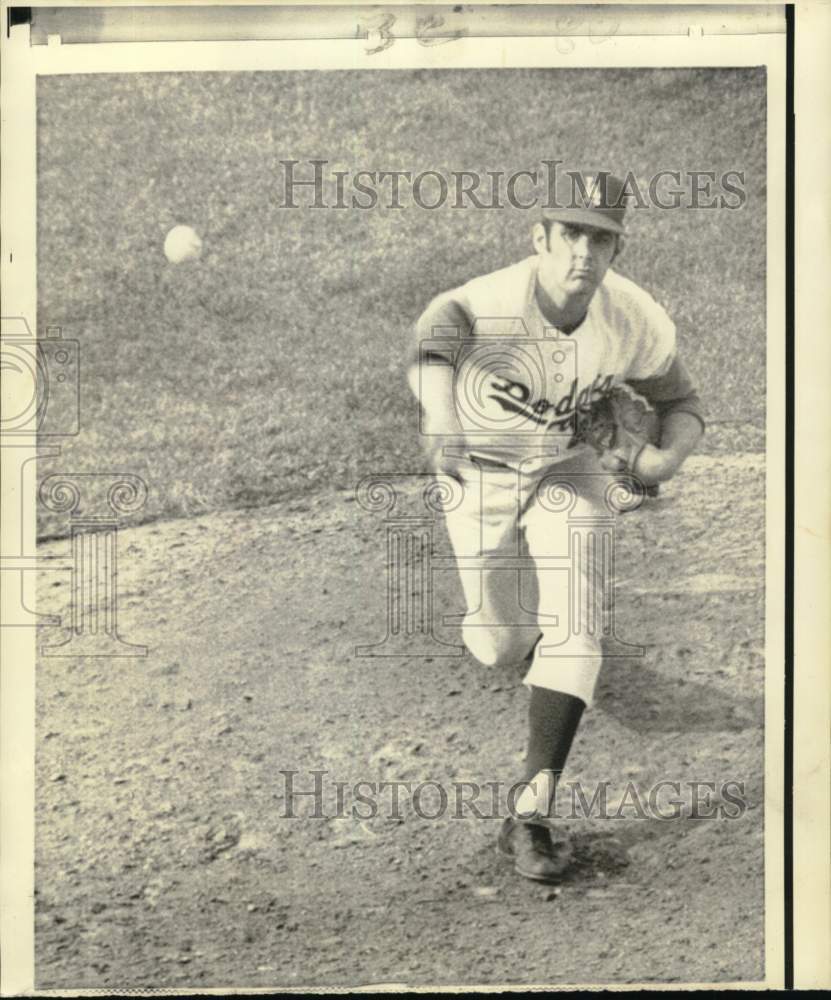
182 244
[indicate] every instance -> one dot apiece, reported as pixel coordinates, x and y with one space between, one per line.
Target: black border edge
17 15
790 339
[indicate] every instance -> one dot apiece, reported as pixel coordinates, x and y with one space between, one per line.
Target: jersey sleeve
439 330
671 392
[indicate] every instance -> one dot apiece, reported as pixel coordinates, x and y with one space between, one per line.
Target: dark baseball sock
553 720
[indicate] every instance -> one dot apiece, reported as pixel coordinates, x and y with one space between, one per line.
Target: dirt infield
165 857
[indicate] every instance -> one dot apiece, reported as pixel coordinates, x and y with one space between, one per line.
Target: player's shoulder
624 294
501 293
497 293
516 275
629 304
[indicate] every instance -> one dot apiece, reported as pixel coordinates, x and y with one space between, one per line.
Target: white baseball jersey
520 382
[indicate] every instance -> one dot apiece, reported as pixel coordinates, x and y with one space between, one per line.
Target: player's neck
566 312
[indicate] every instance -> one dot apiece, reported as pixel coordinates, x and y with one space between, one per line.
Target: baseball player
506 369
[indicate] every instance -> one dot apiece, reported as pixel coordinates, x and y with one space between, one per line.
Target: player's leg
553 718
566 660
566 525
500 626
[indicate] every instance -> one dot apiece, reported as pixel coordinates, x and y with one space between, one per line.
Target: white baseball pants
535 557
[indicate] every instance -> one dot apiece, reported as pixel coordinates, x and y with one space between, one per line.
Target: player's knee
497 647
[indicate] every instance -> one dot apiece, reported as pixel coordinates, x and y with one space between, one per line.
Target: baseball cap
589 200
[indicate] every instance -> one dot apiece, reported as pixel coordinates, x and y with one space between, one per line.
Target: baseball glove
622 423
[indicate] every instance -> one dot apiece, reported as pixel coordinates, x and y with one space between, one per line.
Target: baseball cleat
529 846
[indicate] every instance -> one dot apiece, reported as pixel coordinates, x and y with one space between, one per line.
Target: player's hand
655 465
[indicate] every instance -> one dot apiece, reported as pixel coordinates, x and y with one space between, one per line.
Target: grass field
273 366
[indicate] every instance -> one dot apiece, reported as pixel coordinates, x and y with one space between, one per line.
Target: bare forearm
680 433
675 398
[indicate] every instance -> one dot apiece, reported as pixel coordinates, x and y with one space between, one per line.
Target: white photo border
23 64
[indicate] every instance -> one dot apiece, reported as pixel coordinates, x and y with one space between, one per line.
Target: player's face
574 258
